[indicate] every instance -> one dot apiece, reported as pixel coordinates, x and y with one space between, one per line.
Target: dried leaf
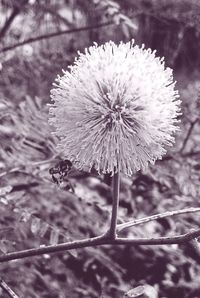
43 228
145 291
54 237
5 190
72 252
136 292
35 225
3 246
24 215
9 244
17 196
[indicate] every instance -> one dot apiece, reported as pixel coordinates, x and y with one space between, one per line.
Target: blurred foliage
34 211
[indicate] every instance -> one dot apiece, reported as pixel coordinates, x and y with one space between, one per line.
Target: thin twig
135 222
53 34
53 248
161 240
196 246
97 241
7 289
192 124
46 161
180 41
191 153
115 204
53 12
8 22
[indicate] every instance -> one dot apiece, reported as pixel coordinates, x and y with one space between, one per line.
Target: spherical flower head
115 109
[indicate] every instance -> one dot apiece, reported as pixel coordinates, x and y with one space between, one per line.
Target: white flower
115 109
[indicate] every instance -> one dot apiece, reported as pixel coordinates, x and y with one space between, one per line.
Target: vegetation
37 40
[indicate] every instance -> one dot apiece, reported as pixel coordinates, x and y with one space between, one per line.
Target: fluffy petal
116 107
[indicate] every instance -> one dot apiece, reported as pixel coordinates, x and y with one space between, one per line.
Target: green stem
115 204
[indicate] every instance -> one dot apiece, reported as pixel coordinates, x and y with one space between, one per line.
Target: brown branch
192 124
50 10
191 154
161 240
180 41
195 246
135 222
53 34
7 289
53 248
100 240
8 22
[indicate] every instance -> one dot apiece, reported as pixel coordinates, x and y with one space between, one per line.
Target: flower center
114 116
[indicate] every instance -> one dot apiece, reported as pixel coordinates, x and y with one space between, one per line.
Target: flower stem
115 204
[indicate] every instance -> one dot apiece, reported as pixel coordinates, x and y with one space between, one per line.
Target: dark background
35 211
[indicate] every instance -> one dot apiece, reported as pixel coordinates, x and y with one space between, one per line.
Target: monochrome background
39 38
